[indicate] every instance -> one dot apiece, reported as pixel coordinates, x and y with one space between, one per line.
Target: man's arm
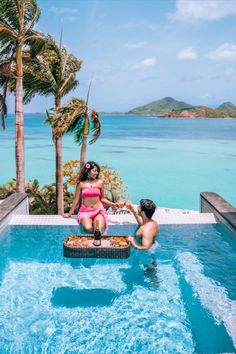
146 244
130 206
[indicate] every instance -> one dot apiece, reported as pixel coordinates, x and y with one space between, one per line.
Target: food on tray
118 242
107 241
77 241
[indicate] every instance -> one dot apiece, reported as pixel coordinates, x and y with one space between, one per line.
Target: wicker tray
81 246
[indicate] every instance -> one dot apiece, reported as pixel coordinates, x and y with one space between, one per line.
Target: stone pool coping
16 203
224 212
162 216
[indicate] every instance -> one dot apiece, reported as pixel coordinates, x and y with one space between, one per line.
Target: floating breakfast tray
81 246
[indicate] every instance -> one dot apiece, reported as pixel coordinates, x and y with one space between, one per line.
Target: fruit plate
81 246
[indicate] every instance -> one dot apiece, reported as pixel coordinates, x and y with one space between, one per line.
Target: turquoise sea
168 160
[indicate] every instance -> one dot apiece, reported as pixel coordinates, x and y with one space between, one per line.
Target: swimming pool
180 299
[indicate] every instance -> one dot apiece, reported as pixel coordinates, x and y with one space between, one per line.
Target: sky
139 51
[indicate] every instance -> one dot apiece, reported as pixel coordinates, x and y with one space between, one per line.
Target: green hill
229 108
160 107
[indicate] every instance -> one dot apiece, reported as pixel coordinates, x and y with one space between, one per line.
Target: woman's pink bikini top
91 192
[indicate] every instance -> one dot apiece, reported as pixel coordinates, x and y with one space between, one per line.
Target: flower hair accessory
87 165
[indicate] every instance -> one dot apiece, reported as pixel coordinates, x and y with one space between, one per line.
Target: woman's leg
100 221
87 224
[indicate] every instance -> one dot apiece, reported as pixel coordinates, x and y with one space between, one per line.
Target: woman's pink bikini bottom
91 213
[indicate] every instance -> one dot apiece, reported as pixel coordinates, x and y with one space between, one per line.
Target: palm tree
75 118
17 18
53 72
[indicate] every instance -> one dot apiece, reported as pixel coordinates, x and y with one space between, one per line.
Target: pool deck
163 216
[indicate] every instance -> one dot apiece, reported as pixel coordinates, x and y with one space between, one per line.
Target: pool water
180 298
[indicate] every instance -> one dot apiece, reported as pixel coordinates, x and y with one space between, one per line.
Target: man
149 229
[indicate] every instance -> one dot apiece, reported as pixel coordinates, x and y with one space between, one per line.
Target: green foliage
17 19
114 187
52 72
169 107
197 112
41 200
70 118
228 108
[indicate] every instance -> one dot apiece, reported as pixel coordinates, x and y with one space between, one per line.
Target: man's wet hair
148 206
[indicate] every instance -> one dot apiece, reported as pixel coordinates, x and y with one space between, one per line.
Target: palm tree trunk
84 143
59 170
19 125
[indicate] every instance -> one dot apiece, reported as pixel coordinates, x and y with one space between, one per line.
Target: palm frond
70 118
78 131
38 78
6 49
36 42
95 126
6 75
9 14
34 17
65 119
52 72
6 33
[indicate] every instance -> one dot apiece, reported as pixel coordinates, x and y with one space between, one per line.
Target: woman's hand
67 215
120 204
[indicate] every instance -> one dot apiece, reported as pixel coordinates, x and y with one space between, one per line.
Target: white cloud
135 45
146 62
63 10
187 54
205 96
203 10
141 24
226 51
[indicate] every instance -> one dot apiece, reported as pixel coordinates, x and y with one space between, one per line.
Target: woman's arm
75 201
108 202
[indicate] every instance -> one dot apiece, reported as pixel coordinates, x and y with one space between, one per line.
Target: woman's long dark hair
87 168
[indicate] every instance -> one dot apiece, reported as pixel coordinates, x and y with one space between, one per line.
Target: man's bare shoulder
152 226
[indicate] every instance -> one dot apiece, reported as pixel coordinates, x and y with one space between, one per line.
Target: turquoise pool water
168 160
179 299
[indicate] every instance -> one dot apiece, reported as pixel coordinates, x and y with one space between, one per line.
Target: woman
90 189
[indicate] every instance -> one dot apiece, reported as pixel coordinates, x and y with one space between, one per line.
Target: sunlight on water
213 296
174 300
131 317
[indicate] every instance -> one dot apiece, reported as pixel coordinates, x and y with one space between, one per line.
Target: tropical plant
53 72
113 185
41 200
75 118
17 19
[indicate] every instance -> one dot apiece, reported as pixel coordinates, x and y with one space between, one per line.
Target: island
169 107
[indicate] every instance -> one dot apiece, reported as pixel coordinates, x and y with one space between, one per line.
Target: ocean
168 160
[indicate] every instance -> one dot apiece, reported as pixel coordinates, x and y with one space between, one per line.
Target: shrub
113 185
43 200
